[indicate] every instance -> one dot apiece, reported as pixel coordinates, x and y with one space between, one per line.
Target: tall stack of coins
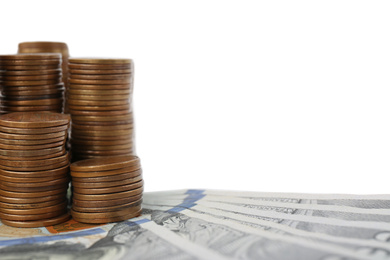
106 190
49 47
34 169
99 101
31 82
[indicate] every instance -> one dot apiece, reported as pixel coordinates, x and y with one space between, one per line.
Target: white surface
244 95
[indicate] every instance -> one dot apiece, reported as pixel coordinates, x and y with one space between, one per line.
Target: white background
242 95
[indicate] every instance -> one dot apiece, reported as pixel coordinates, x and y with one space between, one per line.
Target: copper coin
38 174
125 138
78 142
122 152
128 116
28 200
36 168
5 205
107 209
108 220
97 102
100 87
115 189
106 184
35 163
31 147
32 180
38 223
106 203
58 109
99 72
31 67
42 92
30 56
29 97
43 47
109 123
104 77
30 82
98 81
53 208
22 137
41 102
38 157
72 66
80 132
12 194
110 214
34 120
47 184
31 77
31 142
99 108
112 196
102 147
32 217
110 163
32 88
99 92
122 174
28 153
102 128
101 61
30 62
32 189
33 131
30 72
97 97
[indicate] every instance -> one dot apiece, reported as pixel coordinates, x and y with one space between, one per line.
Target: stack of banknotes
212 224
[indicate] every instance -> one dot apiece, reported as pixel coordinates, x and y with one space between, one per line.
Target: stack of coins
49 47
34 169
31 82
99 101
106 190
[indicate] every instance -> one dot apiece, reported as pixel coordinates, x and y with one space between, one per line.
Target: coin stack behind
34 169
49 47
99 101
106 190
31 82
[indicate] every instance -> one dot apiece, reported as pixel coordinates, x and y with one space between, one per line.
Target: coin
111 196
33 131
106 203
97 97
114 133
39 92
31 147
31 142
100 61
52 208
124 138
5 205
97 102
125 117
29 97
30 82
110 163
30 72
34 120
37 174
31 137
120 175
28 200
72 66
31 77
108 220
28 153
109 214
30 62
36 168
30 56
102 147
97 113
100 87
91 185
99 72
99 81
102 128
99 108
108 208
31 194
57 109
123 187
35 163
29 67
6 216
98 77
38 157
38 223
99 92
32 180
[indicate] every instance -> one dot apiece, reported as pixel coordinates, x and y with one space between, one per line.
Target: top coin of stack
34 169
99 98
49 47
31 82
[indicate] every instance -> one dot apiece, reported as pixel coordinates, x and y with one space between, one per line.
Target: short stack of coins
106 190
50 47
34 169
99 101
31 82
